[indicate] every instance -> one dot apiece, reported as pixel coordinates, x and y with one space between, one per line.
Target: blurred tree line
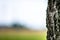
18 25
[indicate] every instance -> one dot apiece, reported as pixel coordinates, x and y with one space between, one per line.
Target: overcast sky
29 12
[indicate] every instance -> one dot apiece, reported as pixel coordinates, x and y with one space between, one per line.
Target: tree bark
53 20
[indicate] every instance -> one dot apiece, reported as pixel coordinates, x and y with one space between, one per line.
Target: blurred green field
22 35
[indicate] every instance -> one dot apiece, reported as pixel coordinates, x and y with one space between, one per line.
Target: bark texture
53 20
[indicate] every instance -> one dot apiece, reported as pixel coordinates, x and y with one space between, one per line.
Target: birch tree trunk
53 20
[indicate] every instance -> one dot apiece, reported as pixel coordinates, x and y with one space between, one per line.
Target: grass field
10 34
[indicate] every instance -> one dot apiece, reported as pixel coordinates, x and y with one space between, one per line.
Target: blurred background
23 19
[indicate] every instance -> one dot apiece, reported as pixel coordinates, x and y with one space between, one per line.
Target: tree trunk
53 20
